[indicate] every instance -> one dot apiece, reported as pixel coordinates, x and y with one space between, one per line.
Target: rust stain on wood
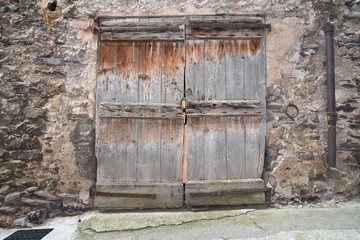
252 122
195 51
106 54
172 55
126 53
149 54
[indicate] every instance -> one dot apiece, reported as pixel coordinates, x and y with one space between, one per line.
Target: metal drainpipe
331 108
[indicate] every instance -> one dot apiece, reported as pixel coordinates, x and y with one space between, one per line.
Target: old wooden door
180 113
225 132
140 121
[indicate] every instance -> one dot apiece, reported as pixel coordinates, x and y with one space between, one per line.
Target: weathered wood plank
107 73
245 114
194 72
252 146
214 70
140 21
192 34
148 165
140 110
197 187
215 148
142 36
214 104
150 72
195 155
127 63
166 196
235 85
172 72
225 18
254 72
172 132
106 149
235 148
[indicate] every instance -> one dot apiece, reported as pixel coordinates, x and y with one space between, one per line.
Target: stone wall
47 93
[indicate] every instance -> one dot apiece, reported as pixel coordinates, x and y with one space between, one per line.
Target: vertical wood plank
172 71
127 65
171 150
252 146
254 72
107 73
234 62
106 152
194 72
214 67
215 152
195 154
150 90
131 151
148 165
235 148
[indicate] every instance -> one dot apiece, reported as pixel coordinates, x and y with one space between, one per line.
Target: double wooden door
180 117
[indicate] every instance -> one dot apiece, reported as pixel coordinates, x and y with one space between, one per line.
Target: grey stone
353 15
7 209
13 143
26 155
32 189
34 112
3 134
272 181
57 62
305 156
46 195
5 172
6 119
72 207
12 197
35 202
21 223
37 216
3 154
68 195
4 188
13 165
13 8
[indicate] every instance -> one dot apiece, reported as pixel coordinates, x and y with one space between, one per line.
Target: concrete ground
340 221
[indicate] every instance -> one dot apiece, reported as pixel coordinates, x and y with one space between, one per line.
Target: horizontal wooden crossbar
124 195
227 193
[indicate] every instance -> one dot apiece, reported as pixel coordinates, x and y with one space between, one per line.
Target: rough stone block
5 220
32 189
12 197
46 195
13 143
3 154
37 216
34 112
21 223
7 209
35 202
4 188
72 207
26 155
6 119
